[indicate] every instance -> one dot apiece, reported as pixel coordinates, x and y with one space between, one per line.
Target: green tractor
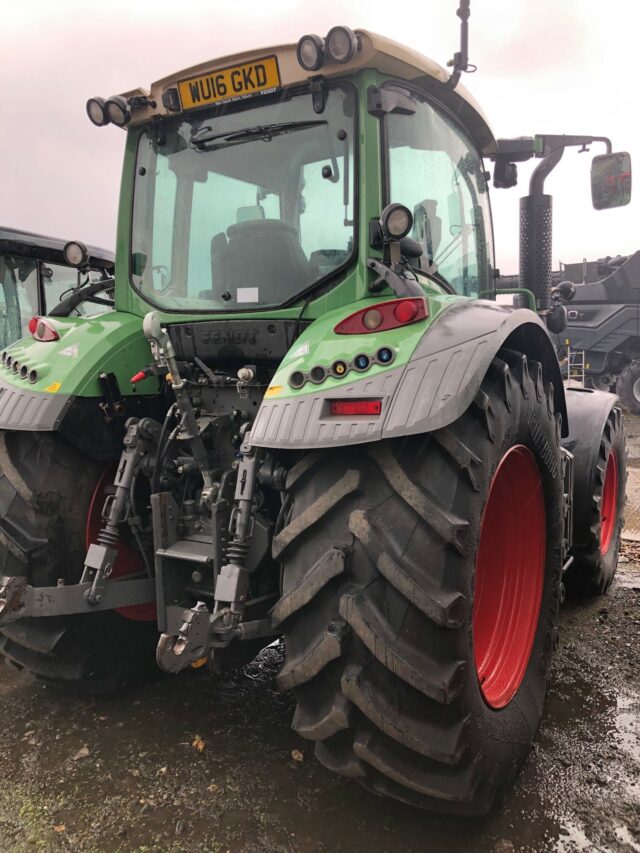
309 418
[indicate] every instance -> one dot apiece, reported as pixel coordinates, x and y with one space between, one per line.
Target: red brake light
383 316
43 330
355 407
405 311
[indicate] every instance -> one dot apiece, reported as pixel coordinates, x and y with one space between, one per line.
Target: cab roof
375 51
49 249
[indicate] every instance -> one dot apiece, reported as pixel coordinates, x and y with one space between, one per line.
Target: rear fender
449 364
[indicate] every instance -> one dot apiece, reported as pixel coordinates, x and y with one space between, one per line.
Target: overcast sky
554 66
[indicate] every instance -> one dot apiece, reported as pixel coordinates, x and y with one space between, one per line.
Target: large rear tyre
47 490
628 387
421 584
598 524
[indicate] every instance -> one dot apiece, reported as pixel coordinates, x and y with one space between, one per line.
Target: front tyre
420 596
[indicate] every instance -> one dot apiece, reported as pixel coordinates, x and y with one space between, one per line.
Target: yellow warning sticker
55 386
273 391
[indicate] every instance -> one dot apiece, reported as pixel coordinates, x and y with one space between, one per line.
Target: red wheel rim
129 561
509 576
609 504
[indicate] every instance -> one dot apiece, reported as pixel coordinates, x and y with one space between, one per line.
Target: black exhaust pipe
536 221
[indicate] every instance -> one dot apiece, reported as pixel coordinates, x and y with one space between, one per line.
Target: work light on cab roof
75 253
118 110
115 110
340 45
96 112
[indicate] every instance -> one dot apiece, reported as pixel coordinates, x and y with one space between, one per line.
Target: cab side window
435 171
18 297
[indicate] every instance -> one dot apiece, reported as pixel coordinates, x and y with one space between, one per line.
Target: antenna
460 61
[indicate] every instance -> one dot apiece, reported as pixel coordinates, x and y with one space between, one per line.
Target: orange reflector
347 408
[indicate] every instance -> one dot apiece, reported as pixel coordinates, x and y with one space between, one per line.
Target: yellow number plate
229 84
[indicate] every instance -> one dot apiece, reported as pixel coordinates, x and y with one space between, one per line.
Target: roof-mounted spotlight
310 52
396 221
75 253
118 110
96 112
341 44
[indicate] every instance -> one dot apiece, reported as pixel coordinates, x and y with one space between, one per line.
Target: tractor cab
257 182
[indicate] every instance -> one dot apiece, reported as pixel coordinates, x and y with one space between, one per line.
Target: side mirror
611 180
557 319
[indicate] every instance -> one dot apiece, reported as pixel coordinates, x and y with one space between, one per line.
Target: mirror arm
606 141
553 149
546 143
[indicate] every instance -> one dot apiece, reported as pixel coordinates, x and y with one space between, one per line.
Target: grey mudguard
28 410
431 391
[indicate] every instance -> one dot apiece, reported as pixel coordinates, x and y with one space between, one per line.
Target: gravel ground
190 764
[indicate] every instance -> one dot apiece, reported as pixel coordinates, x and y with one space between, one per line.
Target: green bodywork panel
319 345
88 346
114 343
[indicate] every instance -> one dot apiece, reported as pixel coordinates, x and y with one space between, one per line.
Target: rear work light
42 330
383 316
347 408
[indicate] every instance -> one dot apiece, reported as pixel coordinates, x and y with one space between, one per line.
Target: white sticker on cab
248 294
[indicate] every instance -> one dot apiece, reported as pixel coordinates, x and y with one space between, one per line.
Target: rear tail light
385 315
348 408
43 330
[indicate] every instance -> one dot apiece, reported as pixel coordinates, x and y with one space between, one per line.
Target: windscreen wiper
200 139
